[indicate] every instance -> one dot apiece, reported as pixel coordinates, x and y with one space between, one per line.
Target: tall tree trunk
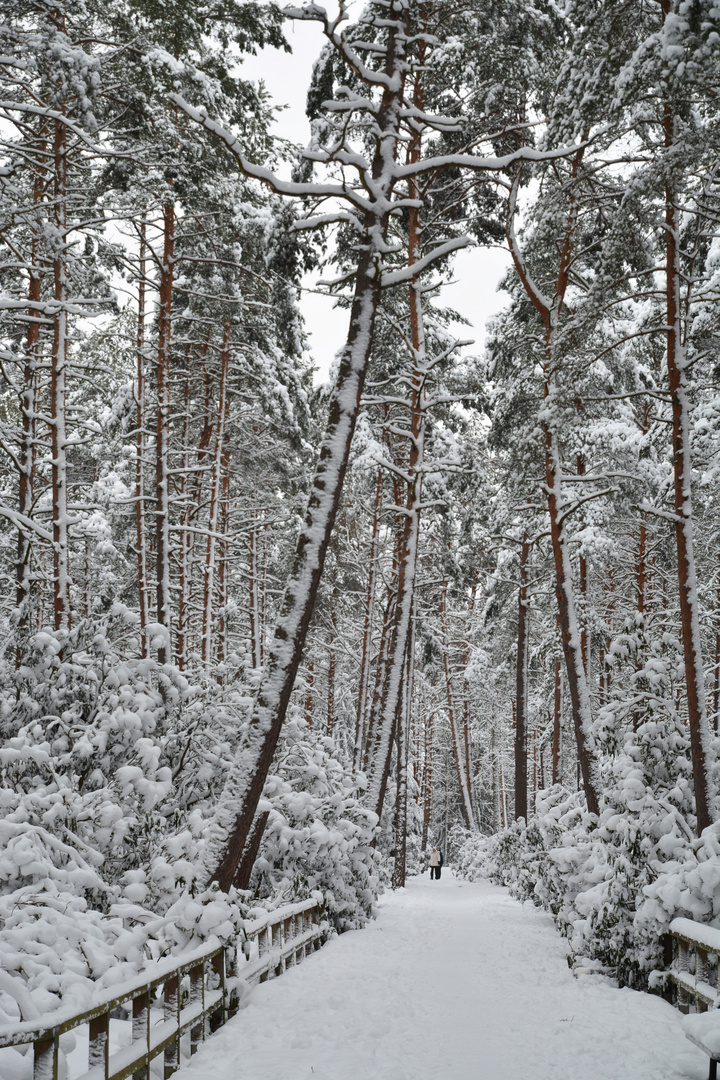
254 597
677 362
427 778
244 788
521 676
309 685
223 571
407 562
556 499
403 748
209 576
330 726
186 546
364 680
162 431
61 538
582 561
374 716
557 724
465 806
140 529
27 403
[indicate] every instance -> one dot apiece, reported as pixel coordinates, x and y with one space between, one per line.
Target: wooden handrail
693 965
177 1002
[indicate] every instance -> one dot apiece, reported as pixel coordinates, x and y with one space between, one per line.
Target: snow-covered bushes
109 774
318 836
613 884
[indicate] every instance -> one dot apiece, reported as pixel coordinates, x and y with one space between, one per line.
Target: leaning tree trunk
244 788
246 784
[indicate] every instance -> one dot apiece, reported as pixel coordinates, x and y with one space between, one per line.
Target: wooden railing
173 1011
693 965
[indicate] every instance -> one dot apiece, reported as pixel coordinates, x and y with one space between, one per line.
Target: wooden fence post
171 1011
99 1048
141 1030
47 1054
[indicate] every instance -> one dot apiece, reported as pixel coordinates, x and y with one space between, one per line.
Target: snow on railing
693 962
172 1007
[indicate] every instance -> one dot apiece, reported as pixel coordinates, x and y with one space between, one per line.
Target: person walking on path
435 863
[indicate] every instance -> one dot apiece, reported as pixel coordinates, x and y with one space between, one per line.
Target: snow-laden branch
292 188
397 277
25 524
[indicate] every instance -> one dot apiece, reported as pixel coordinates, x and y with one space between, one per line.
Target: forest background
264 640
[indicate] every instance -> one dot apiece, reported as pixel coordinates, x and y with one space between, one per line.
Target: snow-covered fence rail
170 1009
694 965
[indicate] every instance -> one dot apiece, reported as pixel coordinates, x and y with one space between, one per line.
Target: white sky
477 272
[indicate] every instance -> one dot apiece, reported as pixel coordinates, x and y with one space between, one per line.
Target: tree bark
61 538
364 680
682 475
28 405
521 675
140 531
465 806
162 432
557 724
209 577
556 501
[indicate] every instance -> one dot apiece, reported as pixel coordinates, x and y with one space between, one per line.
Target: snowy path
452 982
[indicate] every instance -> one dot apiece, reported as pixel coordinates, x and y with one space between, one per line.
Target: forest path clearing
453 981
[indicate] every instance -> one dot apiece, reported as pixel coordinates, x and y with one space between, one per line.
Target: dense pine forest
266 637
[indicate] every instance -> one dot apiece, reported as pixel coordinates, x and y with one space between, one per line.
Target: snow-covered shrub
613 884
319 835
110 769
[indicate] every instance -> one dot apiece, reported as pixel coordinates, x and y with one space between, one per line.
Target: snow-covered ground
454 981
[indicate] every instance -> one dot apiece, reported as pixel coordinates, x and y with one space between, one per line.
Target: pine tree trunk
682 473
209 577
403 746
557 724
244 788
330 726
28 406
223 570
309 685
569 630
521 673
162 432
556 499
186 546
364 680
410 537
465 806
61 539
427 779
140 529
254 598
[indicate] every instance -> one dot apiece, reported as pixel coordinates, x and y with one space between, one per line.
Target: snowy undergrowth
613 884
109 773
